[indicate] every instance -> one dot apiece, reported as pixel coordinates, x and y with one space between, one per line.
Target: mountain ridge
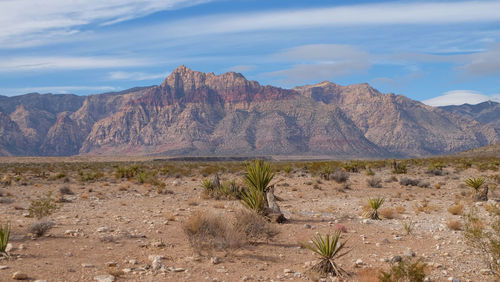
196 113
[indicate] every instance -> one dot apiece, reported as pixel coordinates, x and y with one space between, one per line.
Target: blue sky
440 52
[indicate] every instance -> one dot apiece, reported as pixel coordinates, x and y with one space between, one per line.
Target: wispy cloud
58 63
483 63
55 90
135 76
460 97
321 62
352 15
22 19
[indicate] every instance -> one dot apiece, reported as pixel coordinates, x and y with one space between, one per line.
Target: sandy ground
120 222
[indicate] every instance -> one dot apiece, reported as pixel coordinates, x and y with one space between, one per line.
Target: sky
437 52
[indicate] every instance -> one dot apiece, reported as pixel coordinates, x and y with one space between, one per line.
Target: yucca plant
375 204
259 174
475 183
328 248
258 177
207 184
4 238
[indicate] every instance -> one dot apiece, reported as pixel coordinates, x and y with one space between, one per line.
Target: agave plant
375 204
4 238
475 183
328 247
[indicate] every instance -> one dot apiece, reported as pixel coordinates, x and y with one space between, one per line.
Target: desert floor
117 226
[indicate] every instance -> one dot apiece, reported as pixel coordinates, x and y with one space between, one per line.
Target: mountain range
195 113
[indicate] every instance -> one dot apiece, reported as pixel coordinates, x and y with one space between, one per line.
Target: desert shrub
399 168
407 227
253 226
4 237
328 248
388 213
89 176
287 169
374 182
407 269
370 172
454 225
405 181
455 209
325 172
206 231
352 166
375 204
435 168
43 206
64 190
425 207
340 176
149 177
127 172
484 240
39 228
475 183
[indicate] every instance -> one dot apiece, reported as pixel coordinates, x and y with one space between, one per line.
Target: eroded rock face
199 113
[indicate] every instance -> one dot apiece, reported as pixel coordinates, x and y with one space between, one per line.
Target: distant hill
202 114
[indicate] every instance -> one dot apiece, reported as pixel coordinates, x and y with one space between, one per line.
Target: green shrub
375 204
44 206
328 248
127 172
4 237
406 270
399 168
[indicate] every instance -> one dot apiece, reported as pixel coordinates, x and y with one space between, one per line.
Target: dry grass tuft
254 226
208 231
454 225
388 213
455 209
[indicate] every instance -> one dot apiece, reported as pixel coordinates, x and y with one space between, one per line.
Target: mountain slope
196 113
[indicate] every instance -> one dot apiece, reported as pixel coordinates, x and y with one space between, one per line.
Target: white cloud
55 89
30 19
352 15
135 76
58 63
460 97
321 62
483 63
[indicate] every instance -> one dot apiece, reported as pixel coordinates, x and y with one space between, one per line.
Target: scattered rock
215 260
2 267
19 276
104 278
9 248
410 253
396 259
179 269
359 262
307 226
286 270
485 271
87 265
111 264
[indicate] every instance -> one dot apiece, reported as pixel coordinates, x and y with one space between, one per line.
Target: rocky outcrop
195 113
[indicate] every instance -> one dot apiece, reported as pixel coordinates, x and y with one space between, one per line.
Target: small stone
9 248
385 241
69 254
398 238
366 221
111 264
179 269
127 270
215 260
22 247
359 262
485 271
286 270
2 267
104 278
410 253
19 276
87 265
103 229
307 226
40 281
132 261
395 259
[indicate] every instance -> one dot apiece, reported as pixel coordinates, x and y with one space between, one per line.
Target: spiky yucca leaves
475 183
375 204
4 237
328 247
253 199
258 176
